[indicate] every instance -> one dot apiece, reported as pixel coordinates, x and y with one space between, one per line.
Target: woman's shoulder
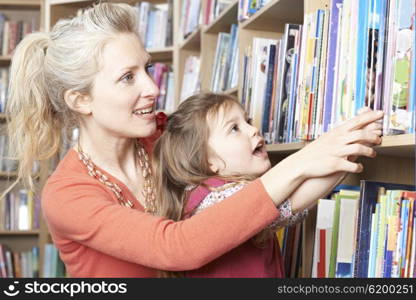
70 177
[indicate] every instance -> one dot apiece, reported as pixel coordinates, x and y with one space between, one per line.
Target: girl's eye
250 121
149 68
234 128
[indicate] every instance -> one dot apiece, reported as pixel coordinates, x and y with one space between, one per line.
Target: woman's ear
78 102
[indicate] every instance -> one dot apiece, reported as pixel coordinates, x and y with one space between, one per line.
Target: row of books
322 72
53 267
25 264
214 8
12 32
4 85
247 8
191 83
155 23
18 264
163 77
19 210
290 242
369 232
6 164
190 17
225 69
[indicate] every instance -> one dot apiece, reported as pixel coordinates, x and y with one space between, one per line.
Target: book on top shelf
190 17
190 80
152 19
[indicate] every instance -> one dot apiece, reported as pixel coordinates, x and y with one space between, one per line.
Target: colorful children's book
367 204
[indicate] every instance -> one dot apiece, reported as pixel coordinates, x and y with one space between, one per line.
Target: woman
90 72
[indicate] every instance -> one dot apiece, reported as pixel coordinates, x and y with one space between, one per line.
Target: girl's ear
215 164
78 102
213 168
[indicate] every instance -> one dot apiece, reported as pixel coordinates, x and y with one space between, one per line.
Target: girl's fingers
351 167
363 137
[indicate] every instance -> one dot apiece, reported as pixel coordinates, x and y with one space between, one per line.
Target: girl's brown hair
180 157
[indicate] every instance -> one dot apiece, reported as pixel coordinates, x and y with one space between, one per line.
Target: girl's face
237 145
123 93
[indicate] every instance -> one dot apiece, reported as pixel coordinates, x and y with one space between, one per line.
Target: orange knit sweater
96 237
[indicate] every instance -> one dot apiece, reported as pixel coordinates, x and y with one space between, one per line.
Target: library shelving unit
26 10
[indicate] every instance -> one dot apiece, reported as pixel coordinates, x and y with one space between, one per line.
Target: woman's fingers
362 120
357 150
364 110
374 126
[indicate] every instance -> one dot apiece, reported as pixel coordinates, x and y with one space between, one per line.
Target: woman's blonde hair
180 156
44 67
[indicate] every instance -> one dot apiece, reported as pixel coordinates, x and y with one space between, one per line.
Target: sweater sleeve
84 212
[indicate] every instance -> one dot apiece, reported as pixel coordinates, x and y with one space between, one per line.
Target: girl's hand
333 151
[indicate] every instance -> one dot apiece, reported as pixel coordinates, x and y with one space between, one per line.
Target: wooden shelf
19 232
19 4
8 174
402 145
58 2
285 148
232 91
224 20
161 54
5 58
274 15
193 41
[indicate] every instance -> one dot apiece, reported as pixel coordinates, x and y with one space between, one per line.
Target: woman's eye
149 68
128 77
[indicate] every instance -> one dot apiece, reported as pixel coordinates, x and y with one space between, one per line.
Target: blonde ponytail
44 67
34 127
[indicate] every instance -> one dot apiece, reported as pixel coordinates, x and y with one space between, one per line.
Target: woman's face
123 93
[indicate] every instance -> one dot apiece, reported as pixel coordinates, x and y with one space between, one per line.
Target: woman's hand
336 150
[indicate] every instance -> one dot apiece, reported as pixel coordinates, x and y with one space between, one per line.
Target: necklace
144 163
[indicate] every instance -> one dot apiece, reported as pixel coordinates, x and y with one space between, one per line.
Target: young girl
208 152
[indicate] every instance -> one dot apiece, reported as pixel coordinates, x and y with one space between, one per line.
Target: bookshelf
395 161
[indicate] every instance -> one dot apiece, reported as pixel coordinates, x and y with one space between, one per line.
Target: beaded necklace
144 163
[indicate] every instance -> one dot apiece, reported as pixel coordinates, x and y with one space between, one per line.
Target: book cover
334 239
323 238
260 55
268 93
346 233
367 203
3 271
402 55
